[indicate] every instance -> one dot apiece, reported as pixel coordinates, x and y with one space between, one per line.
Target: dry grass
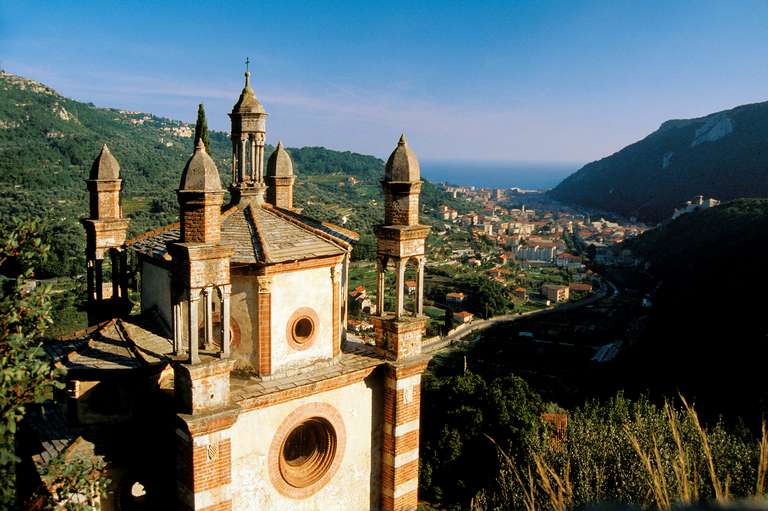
672 479
762 465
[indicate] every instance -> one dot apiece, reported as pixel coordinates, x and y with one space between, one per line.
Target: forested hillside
706 331
48 142
722 155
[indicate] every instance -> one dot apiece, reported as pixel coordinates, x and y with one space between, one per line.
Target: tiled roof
260 235
51 432
114 345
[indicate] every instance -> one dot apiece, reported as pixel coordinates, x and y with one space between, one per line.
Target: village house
463 317
580 287
555 292
568 261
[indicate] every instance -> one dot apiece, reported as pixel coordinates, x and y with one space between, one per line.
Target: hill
706 333
722 155
48 142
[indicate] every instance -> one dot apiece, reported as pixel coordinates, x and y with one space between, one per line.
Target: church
237 386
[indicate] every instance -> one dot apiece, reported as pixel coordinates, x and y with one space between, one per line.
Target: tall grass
634 453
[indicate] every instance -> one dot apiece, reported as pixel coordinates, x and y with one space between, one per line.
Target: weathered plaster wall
244 313
356 483
291 291
156 290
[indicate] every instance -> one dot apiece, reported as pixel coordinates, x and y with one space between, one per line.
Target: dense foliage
706 331
723 155
464 418
484 297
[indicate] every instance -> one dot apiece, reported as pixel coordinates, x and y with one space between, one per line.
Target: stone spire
402 164
106 231
200 197
248 134
280 178
402 186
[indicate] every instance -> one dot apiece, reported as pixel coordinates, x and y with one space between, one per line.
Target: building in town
555 292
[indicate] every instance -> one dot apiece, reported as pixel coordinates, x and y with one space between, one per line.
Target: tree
201 127
26 375
465 417
25 313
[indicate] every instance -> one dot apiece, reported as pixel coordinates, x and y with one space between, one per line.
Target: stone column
259 161
99 280
208 319
177 322
241 166
420 287
400 460
124 274
254 165
380 281
91 279
226 291
115 261
192 325
234 163
400 300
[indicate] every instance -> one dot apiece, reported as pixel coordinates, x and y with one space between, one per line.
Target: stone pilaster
264 324
204 459
336 310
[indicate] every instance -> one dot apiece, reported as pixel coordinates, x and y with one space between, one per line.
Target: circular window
302 327
307 450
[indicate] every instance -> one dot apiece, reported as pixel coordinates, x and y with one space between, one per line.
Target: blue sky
499 81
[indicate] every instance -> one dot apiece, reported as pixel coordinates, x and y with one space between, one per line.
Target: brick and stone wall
400 460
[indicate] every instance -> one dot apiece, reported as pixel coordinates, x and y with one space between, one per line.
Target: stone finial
105 166
247 103
200 173
402 164
280 163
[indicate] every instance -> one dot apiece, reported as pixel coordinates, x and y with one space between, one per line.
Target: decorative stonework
307 450
264 283
302 328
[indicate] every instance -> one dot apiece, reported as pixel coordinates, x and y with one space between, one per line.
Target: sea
529 176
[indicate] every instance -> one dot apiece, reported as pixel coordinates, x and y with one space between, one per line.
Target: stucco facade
356 483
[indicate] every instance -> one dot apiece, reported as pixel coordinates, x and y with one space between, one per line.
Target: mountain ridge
722 155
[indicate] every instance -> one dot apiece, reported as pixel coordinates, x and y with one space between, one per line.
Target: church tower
249 125
280 178
401 242
202 263
106 231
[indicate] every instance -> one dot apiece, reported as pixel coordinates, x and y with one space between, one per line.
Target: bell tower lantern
249 126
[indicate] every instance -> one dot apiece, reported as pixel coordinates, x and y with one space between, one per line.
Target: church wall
356 482
156 290
291 291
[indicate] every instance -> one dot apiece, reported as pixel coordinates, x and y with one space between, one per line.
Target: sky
523 81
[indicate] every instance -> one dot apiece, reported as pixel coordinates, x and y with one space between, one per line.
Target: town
502 251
